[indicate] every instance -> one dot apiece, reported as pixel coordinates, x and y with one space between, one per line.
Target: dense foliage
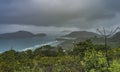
83 57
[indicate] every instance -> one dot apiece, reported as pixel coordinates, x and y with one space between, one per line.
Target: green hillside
82 57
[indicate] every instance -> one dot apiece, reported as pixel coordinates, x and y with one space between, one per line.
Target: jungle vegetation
83 57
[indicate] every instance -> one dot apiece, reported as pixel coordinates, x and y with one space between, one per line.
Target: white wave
53 43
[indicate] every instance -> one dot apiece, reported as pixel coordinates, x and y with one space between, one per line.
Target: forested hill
20 34
78 34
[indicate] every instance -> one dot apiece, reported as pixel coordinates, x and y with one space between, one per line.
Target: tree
81 47
94 61
60 51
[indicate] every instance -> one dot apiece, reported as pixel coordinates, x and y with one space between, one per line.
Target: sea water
22 44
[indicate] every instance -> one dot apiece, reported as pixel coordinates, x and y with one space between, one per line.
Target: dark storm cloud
77 13
113 5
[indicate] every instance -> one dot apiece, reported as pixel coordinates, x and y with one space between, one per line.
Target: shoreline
52 43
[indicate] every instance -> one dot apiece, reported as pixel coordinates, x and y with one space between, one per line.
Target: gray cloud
77 13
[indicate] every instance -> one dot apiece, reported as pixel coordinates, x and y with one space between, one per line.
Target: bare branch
100 32
114 31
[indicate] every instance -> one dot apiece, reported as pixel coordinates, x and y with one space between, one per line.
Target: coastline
52 43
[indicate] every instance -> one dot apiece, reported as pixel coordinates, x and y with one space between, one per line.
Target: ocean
23 44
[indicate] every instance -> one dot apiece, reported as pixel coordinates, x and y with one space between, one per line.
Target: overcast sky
58 14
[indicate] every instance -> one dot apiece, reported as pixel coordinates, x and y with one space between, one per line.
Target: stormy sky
61 14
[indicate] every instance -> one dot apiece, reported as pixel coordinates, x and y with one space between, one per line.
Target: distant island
78 35
21 34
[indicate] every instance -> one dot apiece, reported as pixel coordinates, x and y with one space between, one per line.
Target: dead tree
107 35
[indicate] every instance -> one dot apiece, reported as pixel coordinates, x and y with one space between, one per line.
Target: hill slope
77 34
20 34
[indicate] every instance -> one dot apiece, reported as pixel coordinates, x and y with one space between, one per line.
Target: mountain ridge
20 34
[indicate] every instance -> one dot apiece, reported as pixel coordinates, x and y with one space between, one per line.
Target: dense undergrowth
83 57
